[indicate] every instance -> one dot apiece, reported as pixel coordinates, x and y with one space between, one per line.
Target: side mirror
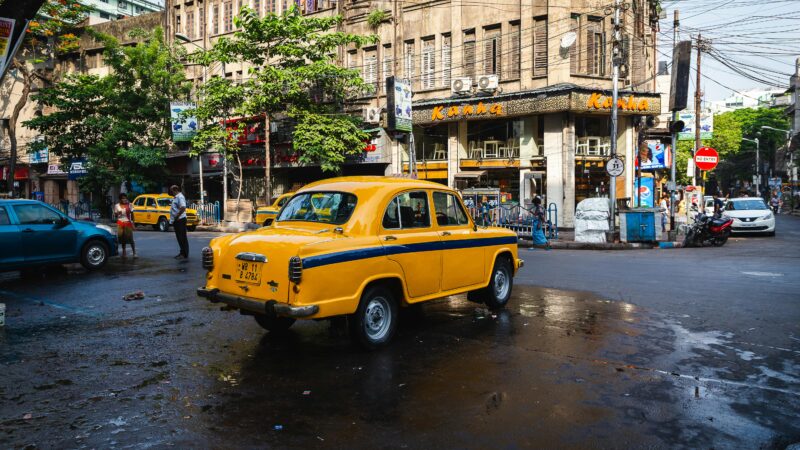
62 222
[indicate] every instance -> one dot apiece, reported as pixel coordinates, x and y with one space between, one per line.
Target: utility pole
616 59
698 94
267 162
674 150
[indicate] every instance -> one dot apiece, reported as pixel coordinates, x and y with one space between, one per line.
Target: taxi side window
448 210
151 202
4 220
408 210
283 201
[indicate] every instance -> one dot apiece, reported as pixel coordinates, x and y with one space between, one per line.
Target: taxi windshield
165 202
322 207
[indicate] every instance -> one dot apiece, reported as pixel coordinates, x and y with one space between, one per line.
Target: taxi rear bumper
270 308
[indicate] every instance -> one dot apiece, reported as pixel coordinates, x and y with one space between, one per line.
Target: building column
454 146
559 151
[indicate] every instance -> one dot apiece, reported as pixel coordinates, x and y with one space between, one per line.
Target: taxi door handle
445 233
390 238
28 230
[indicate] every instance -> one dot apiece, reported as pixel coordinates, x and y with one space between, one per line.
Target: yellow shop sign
440 112
631 103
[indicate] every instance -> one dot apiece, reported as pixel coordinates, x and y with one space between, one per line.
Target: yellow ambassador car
265 215
380 244
153 209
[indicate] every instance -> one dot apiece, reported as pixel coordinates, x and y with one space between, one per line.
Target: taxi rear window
321 207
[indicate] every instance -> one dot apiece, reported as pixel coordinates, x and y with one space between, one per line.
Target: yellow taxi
360 247
153 209
266 214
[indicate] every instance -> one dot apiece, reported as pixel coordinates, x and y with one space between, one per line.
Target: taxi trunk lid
256 264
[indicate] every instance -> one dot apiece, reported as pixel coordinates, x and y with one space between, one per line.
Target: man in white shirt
177 217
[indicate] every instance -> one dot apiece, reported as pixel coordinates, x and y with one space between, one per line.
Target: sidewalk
566 241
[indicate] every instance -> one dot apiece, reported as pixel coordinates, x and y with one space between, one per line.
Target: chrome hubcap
377 318
95 255
501 285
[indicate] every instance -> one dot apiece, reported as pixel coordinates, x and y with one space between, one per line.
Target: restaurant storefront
553 142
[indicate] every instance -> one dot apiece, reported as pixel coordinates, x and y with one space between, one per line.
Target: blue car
34 234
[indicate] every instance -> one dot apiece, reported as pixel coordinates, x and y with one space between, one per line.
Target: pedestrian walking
177 217
664 206
124 216
539 222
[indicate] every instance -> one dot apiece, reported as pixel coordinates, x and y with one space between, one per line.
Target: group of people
123 213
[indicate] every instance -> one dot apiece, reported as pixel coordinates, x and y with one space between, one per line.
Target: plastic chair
438 152
474 151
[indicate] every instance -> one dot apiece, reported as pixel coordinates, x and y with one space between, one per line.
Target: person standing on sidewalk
124 216
177 217
664 206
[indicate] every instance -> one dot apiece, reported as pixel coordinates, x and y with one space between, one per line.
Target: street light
183 38
788 132
758 173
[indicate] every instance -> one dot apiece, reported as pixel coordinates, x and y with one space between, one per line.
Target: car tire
162 224
274 324
500 284
94 255
191 228
375 321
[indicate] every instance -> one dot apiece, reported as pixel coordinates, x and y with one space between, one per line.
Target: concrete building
105 10
531 112
751 98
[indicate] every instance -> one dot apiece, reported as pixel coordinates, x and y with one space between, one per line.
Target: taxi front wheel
375 321
274 324
497 293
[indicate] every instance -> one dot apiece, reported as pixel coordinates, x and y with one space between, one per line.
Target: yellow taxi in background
266 214
153 209
361 247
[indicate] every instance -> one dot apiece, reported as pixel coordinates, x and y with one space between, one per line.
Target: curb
570 245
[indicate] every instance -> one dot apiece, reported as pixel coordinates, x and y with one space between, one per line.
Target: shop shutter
514 55
428 64
446 61
540 47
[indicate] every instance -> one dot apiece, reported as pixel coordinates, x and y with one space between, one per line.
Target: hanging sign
78 168
6 31
398 104
615 167
183 128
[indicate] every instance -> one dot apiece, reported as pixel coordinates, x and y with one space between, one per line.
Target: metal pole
758 170
200 155
697 96
674 149
614 109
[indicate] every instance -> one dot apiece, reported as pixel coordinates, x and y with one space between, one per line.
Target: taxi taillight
208 258
295 269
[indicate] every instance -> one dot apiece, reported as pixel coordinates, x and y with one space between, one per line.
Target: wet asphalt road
694 348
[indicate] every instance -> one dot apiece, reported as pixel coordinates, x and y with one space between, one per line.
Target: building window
201 16
371 69
257 7
513 51
215 20
428 63
408 60
190 24
447 60
469 53
123 5
388 64
106 16
91 61
352 60
540 46
228 18
178 28
492 51
271 5
595 48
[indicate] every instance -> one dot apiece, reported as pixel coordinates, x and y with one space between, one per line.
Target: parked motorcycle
708 230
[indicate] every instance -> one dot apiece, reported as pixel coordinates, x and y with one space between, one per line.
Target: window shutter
408 66
488 59
428 64
388 65
514 55
574 62
469 58
540 47
589 56
446 61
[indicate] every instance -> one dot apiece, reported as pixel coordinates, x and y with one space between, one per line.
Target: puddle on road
553 369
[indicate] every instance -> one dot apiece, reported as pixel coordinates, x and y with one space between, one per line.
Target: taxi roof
356 184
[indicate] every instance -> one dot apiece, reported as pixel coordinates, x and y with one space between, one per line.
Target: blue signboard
645 196
77 168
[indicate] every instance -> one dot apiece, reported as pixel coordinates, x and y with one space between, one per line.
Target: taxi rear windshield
322 207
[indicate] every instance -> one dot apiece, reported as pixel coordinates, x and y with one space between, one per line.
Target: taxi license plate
248 272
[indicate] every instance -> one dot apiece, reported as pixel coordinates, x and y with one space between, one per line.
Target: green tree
119 122
293 71
50 34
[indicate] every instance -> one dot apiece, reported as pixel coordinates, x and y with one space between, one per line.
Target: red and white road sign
706 158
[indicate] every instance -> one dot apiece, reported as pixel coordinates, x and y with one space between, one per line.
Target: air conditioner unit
488 82
461 85
372 115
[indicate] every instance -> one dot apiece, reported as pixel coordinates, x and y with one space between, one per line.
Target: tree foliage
293 71
120 122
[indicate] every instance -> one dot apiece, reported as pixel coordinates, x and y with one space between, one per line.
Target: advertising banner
77 168
183 128
645 188
6 31
398 104
653 155
54 169
706 126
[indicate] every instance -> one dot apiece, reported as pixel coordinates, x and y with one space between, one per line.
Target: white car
750 215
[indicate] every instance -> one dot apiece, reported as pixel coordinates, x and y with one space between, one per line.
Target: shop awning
473 174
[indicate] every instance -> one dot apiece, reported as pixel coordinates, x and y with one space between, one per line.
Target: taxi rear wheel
274 324
375 321
162 224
